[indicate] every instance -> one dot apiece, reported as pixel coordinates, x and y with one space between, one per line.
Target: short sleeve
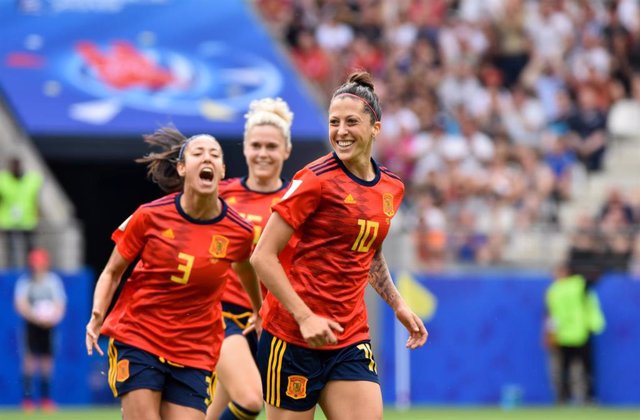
57 287
301 199
130 235
22 289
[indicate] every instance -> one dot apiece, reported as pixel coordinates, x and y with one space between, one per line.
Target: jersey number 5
185 268
368 234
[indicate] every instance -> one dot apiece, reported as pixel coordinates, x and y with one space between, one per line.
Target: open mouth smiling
206 174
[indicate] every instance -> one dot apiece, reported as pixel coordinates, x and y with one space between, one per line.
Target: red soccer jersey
170 306
340 221
255 206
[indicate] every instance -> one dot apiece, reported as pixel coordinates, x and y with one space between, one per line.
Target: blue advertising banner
126 67
485 342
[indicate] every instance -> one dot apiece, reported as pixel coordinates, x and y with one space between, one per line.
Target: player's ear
224 171
375 129
180 168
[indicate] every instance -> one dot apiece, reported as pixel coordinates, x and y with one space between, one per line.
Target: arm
21 303
316 330
380 280
249 279
105 289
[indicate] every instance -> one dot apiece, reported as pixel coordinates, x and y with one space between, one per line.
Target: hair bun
275 106
362 78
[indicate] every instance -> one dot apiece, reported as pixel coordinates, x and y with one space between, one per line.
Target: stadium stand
58 231
499 128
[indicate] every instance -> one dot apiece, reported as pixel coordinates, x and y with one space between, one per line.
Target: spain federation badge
297 387
218 247
387 204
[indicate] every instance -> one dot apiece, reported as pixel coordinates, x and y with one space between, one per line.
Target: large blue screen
126 67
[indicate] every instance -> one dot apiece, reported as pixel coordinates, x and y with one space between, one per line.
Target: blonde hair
270 111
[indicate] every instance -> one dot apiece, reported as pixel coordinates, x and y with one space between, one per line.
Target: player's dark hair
360 84
161 165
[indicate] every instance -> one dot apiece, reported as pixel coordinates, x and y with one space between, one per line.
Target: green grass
472 413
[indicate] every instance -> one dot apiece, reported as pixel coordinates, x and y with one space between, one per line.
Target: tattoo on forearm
380 279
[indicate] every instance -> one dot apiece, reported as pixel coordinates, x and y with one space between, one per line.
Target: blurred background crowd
496 115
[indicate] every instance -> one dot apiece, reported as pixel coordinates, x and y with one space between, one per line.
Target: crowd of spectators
494 111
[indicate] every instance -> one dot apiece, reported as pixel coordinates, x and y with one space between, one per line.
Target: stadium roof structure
120 68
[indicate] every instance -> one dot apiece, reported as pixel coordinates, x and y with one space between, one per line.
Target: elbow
256 260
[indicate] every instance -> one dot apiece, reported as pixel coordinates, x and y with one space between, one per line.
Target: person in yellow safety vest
574 315
19 204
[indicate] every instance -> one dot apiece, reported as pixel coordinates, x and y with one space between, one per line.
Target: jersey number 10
368 234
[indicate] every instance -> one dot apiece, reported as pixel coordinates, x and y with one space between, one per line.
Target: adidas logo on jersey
350 200
168 234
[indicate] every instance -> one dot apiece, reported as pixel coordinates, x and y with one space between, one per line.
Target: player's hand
254 324
318 331
417 332
93 333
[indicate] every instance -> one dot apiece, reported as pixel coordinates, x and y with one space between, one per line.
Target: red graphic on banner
123 66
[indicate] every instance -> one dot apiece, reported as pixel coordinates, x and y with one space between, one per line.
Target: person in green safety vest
574 315
19 210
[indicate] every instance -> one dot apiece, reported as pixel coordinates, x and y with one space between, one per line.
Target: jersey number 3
185 268
368 234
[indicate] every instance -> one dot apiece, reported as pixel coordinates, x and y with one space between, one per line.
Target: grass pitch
471 413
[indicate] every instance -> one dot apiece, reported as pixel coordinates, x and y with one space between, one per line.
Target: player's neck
361 168
202 207
264 184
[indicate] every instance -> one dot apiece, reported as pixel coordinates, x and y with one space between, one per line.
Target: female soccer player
166 327
317 252
267 144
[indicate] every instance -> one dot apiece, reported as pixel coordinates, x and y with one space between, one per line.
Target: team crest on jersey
387 204
219 246
297 387
275 201
122 370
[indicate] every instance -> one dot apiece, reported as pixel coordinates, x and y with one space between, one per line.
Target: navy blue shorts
236 318
131 368
294 376
39 340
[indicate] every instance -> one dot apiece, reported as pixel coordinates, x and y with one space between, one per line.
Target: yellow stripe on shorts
274 371
113 367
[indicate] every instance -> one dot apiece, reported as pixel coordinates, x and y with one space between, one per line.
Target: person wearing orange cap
40 300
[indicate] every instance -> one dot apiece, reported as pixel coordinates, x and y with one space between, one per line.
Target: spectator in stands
19 210
586 250
574 315
311 60
166 327
267 144
40 300
315 345
587 126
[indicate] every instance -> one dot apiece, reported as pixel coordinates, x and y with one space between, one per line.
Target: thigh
277 413
351 400
237 369
141 404
171 411
292 376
